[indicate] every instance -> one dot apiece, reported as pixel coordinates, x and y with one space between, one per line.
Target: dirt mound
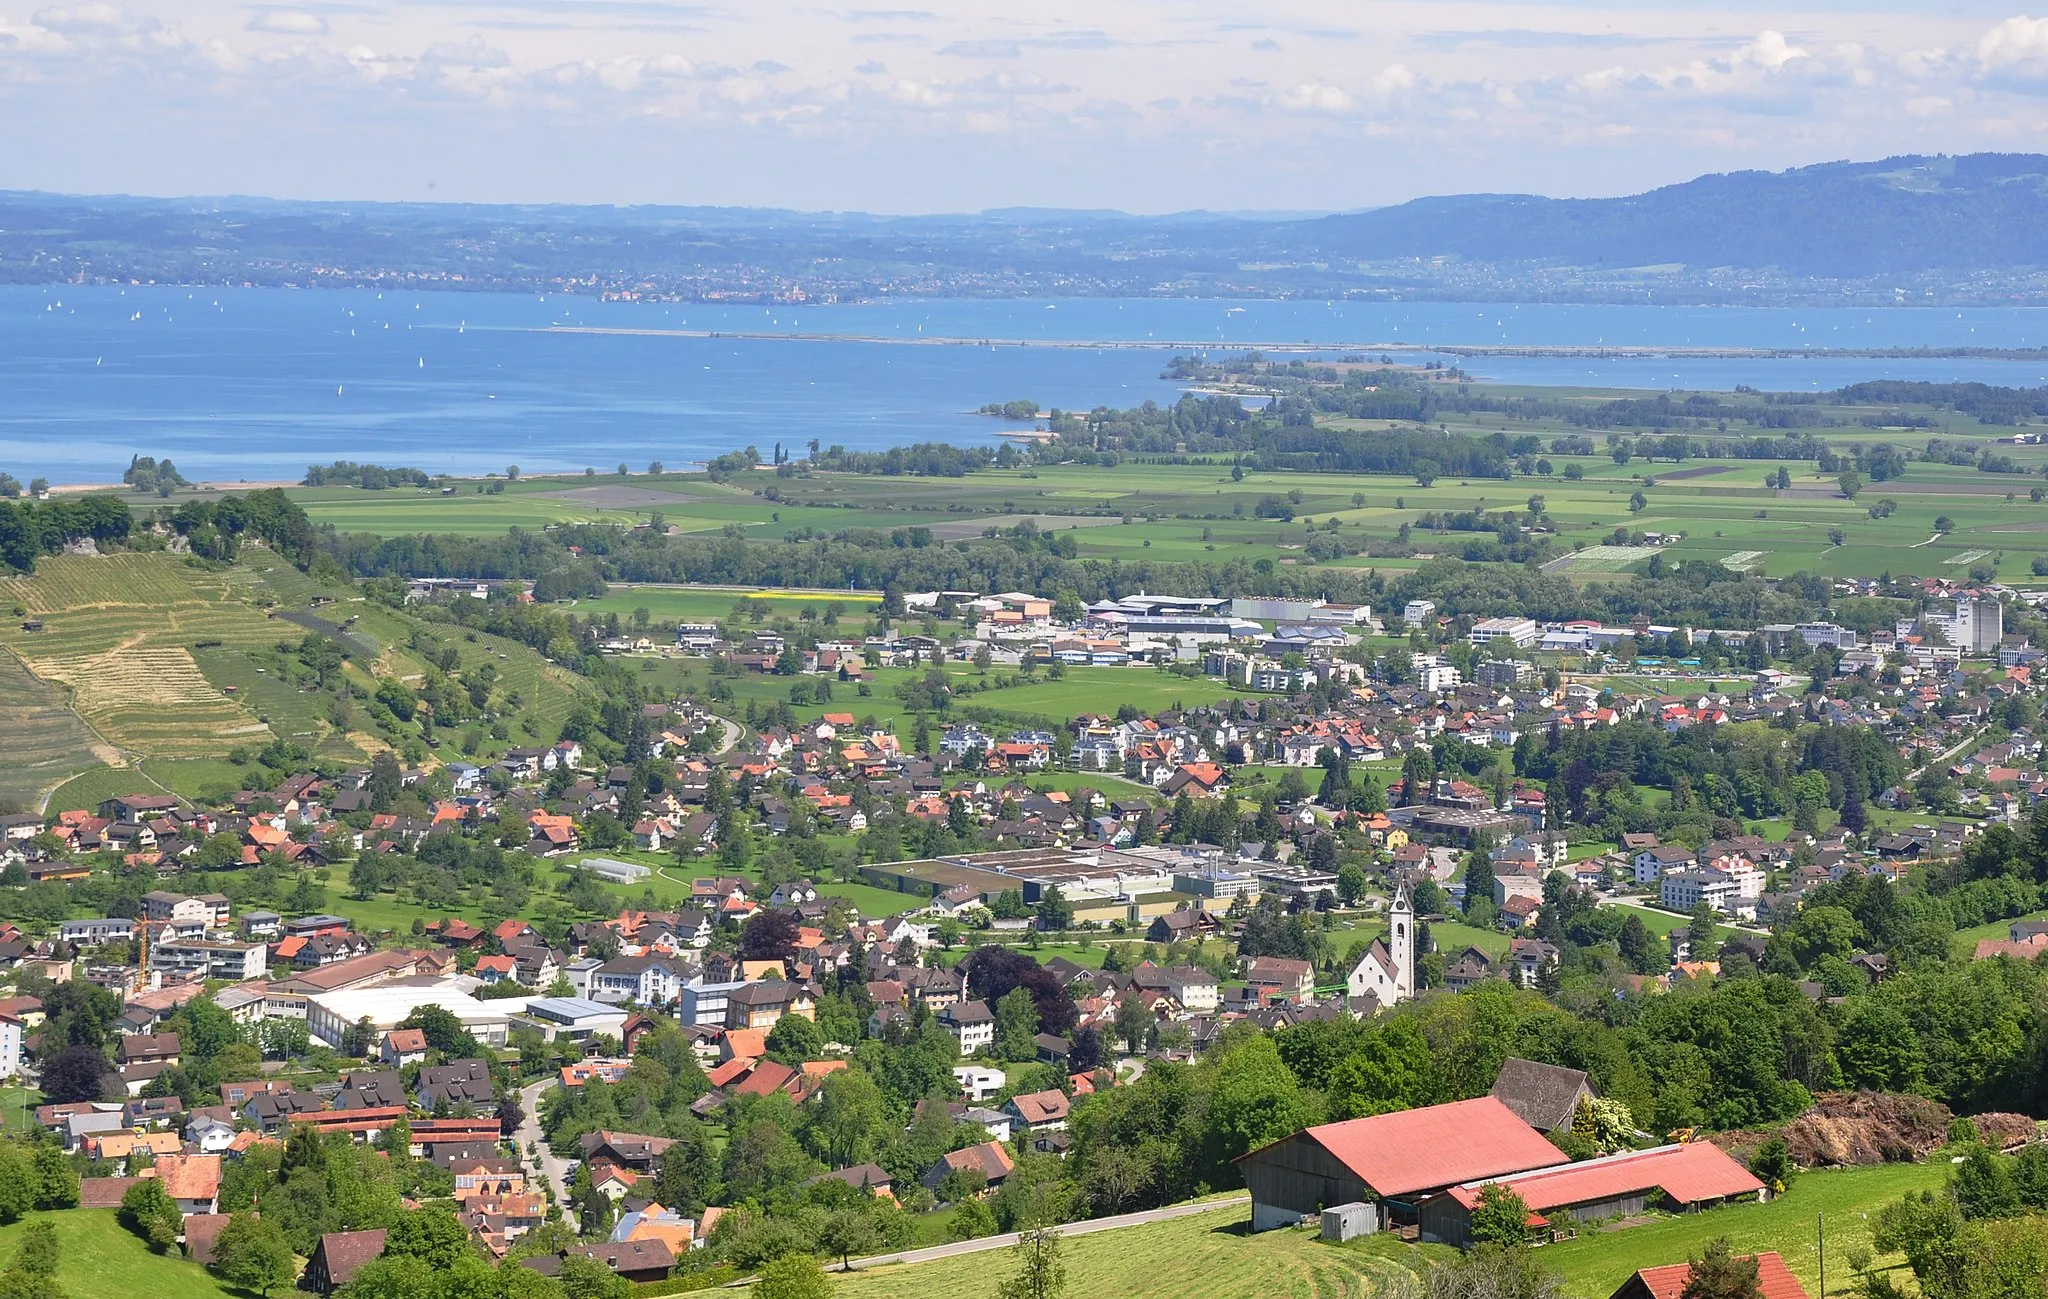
2004 1131
1850 1128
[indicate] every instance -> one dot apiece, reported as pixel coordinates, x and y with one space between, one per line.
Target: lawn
98 1257
1452 937
1598 1262
1206 1255
1966 940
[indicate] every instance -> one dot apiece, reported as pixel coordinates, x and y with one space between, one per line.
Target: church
1385 975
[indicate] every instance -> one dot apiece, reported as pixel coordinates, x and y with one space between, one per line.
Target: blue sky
958 105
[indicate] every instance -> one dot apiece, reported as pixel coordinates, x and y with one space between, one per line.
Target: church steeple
1401 942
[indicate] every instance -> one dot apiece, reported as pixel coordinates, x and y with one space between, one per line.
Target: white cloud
288 22
1315 97
2019 45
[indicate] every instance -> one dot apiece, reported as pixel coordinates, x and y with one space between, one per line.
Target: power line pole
1821 1236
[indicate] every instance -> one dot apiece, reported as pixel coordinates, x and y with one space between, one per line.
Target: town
786 977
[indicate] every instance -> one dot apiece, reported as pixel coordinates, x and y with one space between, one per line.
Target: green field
1203 1256
98 1257
1211 1254
1596 1263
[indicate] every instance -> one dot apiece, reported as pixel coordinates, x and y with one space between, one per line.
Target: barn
1394 1161
1681 1179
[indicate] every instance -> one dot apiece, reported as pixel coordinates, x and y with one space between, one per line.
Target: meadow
1212 1254
1207 1255
97 1256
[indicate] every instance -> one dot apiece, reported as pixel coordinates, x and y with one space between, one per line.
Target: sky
963 105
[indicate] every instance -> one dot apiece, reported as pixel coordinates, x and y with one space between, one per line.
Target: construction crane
142 927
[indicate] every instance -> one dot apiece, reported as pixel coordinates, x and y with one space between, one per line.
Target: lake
258 383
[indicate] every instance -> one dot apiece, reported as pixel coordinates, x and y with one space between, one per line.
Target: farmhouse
1682 1178
1394 1161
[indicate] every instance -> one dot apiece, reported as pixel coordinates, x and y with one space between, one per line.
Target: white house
972 1023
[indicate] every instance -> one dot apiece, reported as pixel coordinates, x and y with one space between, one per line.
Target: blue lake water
258 383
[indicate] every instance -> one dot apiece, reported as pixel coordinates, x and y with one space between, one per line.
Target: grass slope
1207 1255
97 1257
1596 1263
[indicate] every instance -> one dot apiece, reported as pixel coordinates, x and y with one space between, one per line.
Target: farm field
151 668
119 635
1207 1255
46 741
187 777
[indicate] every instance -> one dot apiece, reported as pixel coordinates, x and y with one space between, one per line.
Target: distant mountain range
1844 220
1948 229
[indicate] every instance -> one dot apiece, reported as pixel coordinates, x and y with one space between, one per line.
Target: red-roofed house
1397 1160
1681 1178
1668 1282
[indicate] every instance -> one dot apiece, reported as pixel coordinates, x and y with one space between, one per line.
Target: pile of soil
2004 1131
1849 1128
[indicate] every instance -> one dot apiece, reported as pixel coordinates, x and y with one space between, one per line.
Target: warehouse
1392 1161
1679 1179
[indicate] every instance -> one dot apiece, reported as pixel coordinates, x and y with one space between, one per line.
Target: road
1008 1239
553 1168
1721 923
732 735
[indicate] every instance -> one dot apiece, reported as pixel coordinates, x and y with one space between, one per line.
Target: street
554 1169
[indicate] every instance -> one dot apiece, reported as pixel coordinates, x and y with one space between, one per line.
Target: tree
1055 913
1638 503
434 1235
971 1218
1772 1165
1983 1185
251 1253
1704 933
148 1211
1350 883
56 1179
1717 1273
1492 1272
38 1254
793 1276
795 1039
77 1073
1016 1025
1041 1273
1256 1100
587 1278
1501 1218
849 1232
1851 483
769 936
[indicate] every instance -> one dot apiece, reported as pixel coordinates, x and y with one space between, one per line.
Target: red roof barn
1400 1159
